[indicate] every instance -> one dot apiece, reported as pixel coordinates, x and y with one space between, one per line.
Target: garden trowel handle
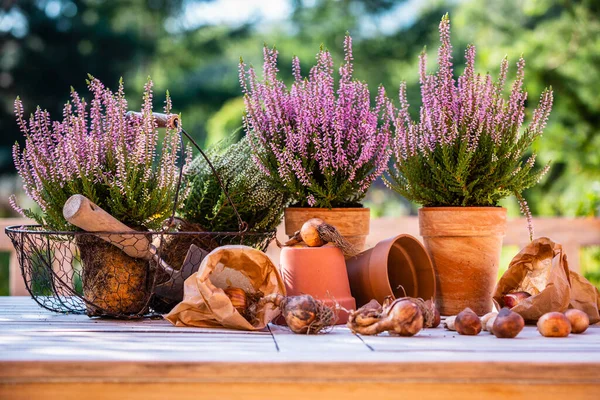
83 213
162 120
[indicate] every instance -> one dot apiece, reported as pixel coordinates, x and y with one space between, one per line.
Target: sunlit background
192 48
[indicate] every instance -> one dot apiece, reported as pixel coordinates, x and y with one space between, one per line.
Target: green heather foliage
467 148
259 204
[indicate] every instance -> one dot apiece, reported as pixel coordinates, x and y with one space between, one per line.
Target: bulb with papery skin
486 318
512 299
489 325
467 322
507 324
554 324
579 320
436 318
310 232
238 298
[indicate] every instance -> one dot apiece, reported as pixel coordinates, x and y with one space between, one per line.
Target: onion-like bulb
315 233
238 298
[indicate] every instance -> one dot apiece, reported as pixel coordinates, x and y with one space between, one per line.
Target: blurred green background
193 47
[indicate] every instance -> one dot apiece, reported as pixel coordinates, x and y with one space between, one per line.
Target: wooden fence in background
572 233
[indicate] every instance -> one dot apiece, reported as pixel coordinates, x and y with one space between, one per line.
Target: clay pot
398 266
319 272
114 284
464 244
352 223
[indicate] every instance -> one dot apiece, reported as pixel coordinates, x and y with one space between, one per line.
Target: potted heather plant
114 160
322 146
466 152
258 203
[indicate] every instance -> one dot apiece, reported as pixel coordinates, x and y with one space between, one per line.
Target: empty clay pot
319 272
398 266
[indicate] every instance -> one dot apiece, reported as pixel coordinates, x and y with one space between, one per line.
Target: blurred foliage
59 41
560 41
46 46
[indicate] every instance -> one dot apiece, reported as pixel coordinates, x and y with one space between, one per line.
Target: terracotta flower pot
352 223
464 244
398 266
319 272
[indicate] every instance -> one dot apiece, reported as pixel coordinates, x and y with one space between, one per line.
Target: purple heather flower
98 146
470 109
312 135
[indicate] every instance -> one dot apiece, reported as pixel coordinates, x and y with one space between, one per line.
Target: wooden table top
73 356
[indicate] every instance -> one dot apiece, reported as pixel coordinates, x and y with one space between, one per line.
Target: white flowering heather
321 145
468 148
101 153
260 205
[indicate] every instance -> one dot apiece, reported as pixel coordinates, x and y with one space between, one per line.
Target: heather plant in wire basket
320 143
100 152
116 160
208 208
259 204
468 147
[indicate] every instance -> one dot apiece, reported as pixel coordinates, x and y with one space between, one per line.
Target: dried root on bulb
303 314
401 317
431 315
315 233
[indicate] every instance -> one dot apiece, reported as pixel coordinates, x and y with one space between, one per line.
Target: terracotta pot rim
304 248
387 244
369 272
461 208
323 209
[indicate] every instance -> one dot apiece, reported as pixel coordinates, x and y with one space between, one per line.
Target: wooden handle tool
83 213
162 120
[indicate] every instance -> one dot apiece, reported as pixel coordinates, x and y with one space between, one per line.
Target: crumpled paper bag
205 304
541 269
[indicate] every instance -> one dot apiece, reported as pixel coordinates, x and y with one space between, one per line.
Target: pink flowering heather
468 147
101 153
321 145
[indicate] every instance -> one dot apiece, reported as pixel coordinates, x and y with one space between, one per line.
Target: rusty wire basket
60 277
94 273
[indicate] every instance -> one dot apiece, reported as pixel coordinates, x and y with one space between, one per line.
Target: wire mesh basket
120 274
61 270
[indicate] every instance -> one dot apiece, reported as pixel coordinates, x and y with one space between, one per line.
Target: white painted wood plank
122 326
528 341
340 339
164 329
67 345
29 333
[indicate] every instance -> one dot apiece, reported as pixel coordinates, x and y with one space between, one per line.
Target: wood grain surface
52 356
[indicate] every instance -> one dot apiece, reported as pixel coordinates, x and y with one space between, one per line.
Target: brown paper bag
541 269
205 304
585 297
